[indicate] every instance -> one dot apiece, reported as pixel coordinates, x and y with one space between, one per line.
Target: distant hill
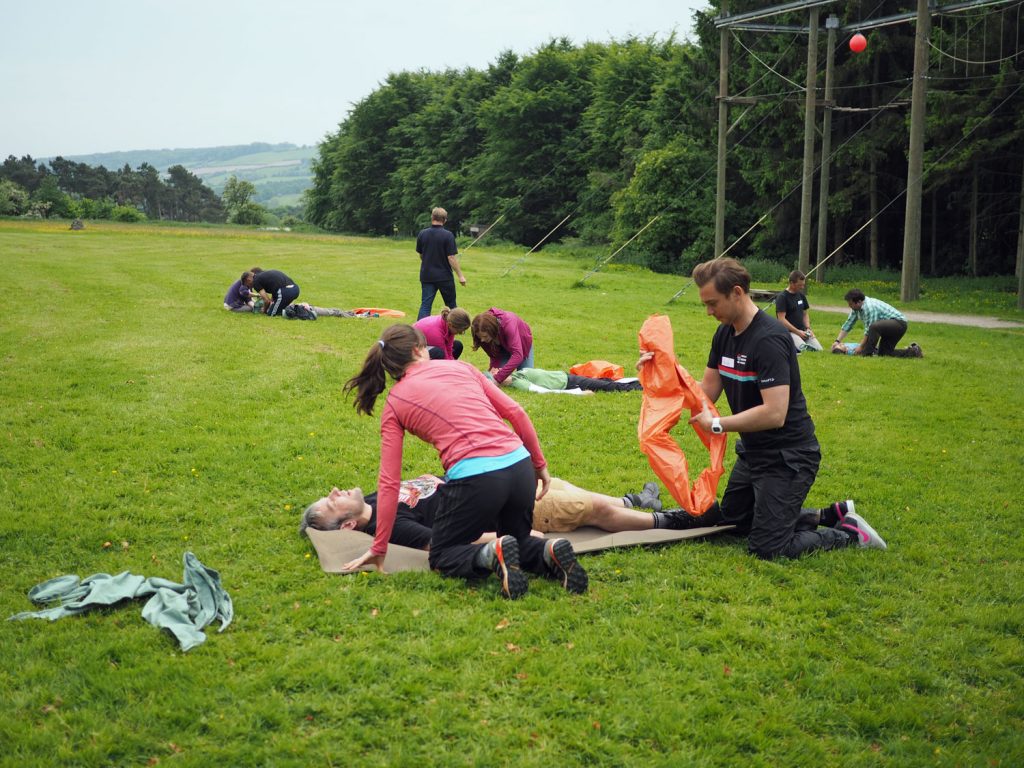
280 172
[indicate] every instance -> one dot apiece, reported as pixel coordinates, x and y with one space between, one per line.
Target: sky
115 75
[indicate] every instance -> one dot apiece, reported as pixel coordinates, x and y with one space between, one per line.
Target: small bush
127 213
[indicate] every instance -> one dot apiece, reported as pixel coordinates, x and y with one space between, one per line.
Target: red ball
858 43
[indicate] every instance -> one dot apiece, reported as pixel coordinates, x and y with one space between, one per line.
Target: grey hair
313 517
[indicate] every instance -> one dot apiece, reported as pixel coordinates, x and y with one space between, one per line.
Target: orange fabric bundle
668 388
597 369
380 312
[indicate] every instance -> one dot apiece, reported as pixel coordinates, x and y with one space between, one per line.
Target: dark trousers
437 353
499 501
282 298
447 289
601 385
885 334
764 500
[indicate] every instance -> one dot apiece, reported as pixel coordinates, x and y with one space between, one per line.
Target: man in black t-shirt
754 362
791 309
439 255
277 289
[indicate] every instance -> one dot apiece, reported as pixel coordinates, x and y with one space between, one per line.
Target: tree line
68 189
620 138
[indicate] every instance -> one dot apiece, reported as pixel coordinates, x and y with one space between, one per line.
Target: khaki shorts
563 508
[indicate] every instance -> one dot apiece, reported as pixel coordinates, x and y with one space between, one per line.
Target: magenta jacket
438 334
514 340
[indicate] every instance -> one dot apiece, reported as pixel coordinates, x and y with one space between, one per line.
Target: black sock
829 516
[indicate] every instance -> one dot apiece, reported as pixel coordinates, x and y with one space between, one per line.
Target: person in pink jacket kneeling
507 340
441 330
491 472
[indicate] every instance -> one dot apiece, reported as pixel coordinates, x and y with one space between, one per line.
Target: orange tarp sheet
668 388
597 369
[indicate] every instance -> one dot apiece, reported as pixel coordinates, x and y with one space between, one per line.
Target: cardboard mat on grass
335 548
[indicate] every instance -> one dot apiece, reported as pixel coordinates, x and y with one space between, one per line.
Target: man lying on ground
541 381
564 508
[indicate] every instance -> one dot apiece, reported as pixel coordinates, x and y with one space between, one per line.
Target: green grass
134 409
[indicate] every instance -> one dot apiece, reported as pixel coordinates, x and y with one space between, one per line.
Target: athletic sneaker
506 568
647 498
867 537
677 519
561 561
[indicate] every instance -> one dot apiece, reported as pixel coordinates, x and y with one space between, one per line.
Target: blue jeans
447 289
527 361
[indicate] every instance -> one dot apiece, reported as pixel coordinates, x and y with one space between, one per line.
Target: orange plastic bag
597 369
668 388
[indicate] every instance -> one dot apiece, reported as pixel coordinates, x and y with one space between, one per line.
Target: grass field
134 410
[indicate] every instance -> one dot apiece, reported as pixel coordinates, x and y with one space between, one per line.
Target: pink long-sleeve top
438 334
515 339
450 405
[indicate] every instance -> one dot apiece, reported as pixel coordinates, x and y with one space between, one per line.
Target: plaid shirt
870 312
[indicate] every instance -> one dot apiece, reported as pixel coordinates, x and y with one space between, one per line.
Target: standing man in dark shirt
438 257
277 289
791 309
777 456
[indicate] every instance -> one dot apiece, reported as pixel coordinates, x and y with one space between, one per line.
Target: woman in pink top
441 330
507 340
491 472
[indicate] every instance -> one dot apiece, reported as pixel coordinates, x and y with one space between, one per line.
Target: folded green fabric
183 609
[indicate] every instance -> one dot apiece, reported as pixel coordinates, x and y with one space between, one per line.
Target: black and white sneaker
561 561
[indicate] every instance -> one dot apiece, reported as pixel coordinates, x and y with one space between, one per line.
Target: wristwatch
716 426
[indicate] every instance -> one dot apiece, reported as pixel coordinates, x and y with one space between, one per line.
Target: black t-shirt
761 357
434 245
417 504
271 281
793 305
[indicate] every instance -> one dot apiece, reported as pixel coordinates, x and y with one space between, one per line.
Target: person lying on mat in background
493 470
441 330
540 381
564 508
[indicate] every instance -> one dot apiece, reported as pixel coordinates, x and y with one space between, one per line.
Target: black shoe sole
567 568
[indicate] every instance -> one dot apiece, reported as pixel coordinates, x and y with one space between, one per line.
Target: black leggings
437 353
602 385
500 501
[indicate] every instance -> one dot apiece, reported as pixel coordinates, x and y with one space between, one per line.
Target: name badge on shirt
728 362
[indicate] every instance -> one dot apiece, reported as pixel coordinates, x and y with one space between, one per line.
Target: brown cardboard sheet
335 548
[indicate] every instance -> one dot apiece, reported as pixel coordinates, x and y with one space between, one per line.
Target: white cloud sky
109 75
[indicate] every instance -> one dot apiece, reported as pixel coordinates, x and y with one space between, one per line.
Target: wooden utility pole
723 127
831 24
972 248
910 283
1020 247
806 201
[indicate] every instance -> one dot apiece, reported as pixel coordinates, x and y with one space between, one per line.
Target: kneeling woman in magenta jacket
507 340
